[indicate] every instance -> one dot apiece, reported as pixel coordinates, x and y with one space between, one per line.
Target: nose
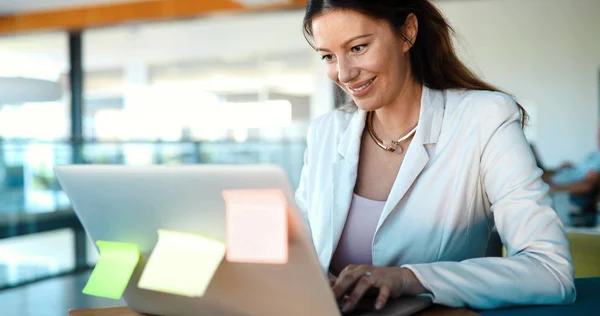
347 71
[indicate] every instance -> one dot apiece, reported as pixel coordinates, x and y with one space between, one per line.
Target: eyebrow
346 42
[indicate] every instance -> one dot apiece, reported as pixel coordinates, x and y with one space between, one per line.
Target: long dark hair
433 61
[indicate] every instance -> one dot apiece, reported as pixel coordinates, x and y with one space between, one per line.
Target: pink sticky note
257 229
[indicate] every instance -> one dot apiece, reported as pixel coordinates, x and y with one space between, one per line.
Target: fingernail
346 307
378 305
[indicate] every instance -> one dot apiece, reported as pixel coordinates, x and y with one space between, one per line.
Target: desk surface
124 311
588 303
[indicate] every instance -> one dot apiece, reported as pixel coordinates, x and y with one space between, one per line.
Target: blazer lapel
343 176
417 157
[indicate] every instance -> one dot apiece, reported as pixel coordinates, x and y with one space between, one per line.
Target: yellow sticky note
182 264
257 230
113 269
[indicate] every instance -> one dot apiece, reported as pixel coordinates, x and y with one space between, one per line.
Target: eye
327 57
358 48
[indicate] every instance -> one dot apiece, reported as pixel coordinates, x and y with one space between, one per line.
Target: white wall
547 51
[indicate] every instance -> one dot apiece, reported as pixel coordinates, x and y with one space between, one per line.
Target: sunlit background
238 87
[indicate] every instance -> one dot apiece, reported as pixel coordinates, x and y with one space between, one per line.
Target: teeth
363 86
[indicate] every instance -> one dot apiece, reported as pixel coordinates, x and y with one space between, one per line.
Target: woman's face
363 56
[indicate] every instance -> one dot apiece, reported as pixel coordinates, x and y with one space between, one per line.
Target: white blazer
469 168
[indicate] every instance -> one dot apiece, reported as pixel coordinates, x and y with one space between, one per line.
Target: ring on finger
369 276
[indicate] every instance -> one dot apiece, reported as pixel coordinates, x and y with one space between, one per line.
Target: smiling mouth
363 87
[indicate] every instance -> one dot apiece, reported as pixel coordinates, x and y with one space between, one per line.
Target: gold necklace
392 146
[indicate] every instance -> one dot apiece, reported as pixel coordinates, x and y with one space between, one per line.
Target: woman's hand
393 282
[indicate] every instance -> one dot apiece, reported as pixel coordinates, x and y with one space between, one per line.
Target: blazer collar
344 172
349 145
433 104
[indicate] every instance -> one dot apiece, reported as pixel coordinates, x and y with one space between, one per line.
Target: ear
410 32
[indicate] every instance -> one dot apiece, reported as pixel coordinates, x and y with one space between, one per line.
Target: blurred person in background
582 182
402 187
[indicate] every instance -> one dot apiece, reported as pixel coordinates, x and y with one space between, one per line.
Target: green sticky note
113 269
182 264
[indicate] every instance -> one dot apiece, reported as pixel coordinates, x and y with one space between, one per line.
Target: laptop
129 204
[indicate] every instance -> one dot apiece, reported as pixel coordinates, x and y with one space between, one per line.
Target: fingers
390 281
382 298
331 282
347 279
363 284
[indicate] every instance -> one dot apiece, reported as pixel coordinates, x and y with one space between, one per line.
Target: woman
402 189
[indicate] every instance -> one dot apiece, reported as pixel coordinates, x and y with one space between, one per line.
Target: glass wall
211 90
237 89
34 129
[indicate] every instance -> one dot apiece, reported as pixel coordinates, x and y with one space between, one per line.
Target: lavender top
356 243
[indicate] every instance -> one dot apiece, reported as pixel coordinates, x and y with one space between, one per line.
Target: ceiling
244 46
18 6
228 39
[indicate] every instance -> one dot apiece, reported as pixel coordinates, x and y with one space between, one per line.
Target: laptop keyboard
364 306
